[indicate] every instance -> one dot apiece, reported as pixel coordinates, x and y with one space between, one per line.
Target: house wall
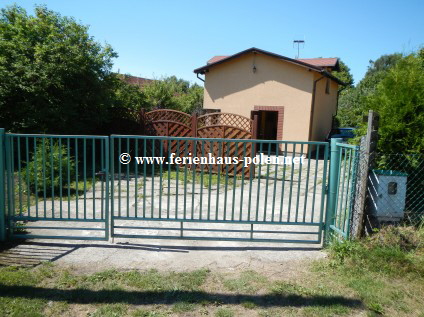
325 108
234 87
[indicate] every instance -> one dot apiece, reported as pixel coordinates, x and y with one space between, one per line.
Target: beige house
295 99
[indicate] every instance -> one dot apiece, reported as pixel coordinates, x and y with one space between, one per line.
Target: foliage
48 161
55 77
173 93
399 99
344 74
351 102
395 251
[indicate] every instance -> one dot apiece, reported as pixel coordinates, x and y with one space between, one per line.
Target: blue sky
157 38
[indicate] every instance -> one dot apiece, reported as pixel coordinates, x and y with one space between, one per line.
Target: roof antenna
298 43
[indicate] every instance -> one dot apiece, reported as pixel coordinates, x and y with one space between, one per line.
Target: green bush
45 166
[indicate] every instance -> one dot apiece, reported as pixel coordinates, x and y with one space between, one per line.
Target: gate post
2 191
332 188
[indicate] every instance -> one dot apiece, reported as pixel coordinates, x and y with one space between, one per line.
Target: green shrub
46 164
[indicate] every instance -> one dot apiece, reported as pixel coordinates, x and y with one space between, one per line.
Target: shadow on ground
86 296
32 253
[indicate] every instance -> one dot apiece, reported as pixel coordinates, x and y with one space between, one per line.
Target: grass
208 178
381 275
23 196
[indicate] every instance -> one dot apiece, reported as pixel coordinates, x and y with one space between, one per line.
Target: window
327 87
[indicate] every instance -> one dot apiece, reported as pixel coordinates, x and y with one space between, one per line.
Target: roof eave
203 69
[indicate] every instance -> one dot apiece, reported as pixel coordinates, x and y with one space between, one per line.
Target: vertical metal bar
291 181
242 183
69 176
3 151
85 178
76 177
332 188
323 188
160 180
202 151
353 188
52 174
298 183
109 167
128 179
315 179
194 179
103 154
305 202
339 200
34 157
136 179
60 180
153 181
185 178
283 179
259 183
267 181
210 181
177 172
27 174
277 147
108 152
10 185
251 174
218 185
12 212
19 175
168 146
144 179
347 200
93 174
234 181
44 174
119 177
226 182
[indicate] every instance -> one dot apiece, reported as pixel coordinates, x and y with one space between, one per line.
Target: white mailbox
387 191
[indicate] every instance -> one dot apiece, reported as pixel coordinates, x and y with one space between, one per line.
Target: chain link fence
396 189
393 192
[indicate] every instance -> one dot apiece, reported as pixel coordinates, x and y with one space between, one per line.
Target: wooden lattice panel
168 115
225 119
169 123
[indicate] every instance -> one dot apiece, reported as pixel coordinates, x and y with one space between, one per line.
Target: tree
352 100
399 99
173 93
344 74
54 76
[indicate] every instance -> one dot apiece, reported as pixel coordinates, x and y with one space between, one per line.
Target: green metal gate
342 185
56 186
63 186
271 203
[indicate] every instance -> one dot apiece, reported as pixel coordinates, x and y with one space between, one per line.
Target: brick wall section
280 122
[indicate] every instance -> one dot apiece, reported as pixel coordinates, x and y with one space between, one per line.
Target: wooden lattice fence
172 123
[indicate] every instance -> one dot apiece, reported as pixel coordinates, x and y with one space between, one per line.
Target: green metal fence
63 186
272 203
59 180
343 171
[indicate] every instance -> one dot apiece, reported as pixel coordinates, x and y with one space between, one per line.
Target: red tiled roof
133 80
216 58
323 63
320 62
